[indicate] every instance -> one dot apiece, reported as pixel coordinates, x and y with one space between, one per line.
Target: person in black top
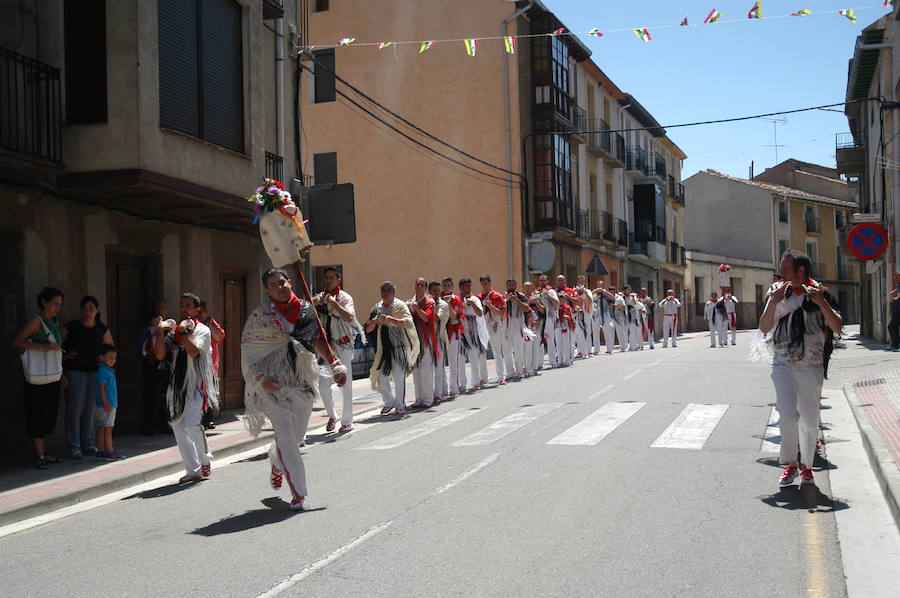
83 339
894 324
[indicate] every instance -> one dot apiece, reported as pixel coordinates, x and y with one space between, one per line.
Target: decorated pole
284 237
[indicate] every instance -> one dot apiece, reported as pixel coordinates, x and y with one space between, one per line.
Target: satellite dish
541 256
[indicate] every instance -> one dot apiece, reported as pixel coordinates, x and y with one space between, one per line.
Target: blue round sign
867 241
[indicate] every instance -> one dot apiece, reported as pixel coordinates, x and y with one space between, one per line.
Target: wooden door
234 313
125 313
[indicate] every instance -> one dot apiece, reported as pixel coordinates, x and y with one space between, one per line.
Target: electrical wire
412 139
407 122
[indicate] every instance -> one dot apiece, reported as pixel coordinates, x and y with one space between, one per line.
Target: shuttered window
201 81
85 43
324 75
325 168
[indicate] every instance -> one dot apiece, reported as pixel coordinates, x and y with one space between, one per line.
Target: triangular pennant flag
756 11
471 46
425 46
889 4
346 41
559 31
801 13
849 13
383 45
642 34
713 16
684 22
509 43
595 32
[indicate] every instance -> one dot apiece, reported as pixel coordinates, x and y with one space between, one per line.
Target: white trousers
651 333
732 326
550 339
457 363
670 329
345 354
290 419
515 348
477 365
423 377
393 396
596 329
635 336
717 329
441 384
564 344
499 349
190 436
609 335
798 392
583 337
622 335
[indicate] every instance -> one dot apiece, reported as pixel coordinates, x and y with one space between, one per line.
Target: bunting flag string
642 33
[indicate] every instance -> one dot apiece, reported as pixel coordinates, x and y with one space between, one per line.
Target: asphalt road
514 491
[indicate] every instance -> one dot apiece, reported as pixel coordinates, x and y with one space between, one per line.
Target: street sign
858 217
867 241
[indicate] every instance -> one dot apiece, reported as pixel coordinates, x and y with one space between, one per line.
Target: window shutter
324 77
325 168
85 43
222 78
178 66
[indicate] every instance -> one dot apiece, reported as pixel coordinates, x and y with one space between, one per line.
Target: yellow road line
815 556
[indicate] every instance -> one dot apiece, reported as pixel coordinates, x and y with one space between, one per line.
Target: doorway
234 313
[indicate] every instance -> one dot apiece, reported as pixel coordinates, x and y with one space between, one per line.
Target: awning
596 267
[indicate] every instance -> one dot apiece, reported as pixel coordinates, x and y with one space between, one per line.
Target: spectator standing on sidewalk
894 324
803 317
106 397
338 315
217 334
156 371
84 337
41 333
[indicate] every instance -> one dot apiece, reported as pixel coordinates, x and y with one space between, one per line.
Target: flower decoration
724 267
271 196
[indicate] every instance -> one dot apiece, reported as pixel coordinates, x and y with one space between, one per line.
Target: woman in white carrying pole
278 356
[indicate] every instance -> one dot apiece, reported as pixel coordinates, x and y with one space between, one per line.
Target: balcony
679 199
813 224
636 160
673 253
603 226
671 187
656 166
30 116
579 125
550 213
599 143
274 166
850 155
682 255
621 233
273 9
582 224
637 247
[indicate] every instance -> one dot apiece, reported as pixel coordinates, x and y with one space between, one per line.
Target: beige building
130 133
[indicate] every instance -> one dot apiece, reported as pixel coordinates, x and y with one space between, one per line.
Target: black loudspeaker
331 212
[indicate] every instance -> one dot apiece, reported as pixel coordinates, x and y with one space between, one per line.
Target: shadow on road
165 490
806 496
276 511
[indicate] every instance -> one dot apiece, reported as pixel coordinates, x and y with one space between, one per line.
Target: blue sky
725 70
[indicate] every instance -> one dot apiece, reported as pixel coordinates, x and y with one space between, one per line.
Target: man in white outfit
632 318
550 301
456 357
473 341
494 305
565 321
193 386
534 320
584 320
396 351
603 318
800 360
670 307
648 315
516 308
714 314
338 316
730 302
424 313
441 384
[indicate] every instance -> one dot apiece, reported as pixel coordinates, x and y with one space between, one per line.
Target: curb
886 471
59 501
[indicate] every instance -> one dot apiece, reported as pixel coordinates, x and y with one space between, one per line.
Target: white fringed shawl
199 373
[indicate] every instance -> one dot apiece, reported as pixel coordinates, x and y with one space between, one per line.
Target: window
323 70
85 43
321 5
782 211
699 295
201 71
782 248
325 168
839 220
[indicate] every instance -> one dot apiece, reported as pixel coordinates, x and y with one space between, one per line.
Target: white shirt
730 304
551 310
670 307
710 310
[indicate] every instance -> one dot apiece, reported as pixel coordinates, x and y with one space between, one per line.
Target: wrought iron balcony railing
30 107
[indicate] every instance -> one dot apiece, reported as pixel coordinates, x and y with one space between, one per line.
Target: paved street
637 474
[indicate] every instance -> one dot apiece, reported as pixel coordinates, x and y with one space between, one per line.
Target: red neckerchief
179 337
335 292
290 309
800 290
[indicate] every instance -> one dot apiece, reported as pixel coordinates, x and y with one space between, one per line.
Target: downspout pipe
279 87
621 125
504 29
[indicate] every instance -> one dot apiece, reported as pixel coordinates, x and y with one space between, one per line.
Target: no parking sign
867 241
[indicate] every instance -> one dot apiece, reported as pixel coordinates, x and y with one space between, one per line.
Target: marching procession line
692 428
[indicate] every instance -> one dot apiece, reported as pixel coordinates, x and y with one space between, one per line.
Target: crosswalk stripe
692 428
597 425
507 425
768 445
427 427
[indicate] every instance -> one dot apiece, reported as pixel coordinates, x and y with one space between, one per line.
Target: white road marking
657 362
324 562
768 445
692 428
427 427
507 425
597 425
88 505
467 473
601 393
632 375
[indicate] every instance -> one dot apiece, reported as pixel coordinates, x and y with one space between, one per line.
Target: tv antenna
775 122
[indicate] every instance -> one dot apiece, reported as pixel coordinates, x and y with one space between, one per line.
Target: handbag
42 367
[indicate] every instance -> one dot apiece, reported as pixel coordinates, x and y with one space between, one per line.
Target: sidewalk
27 492
875 400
